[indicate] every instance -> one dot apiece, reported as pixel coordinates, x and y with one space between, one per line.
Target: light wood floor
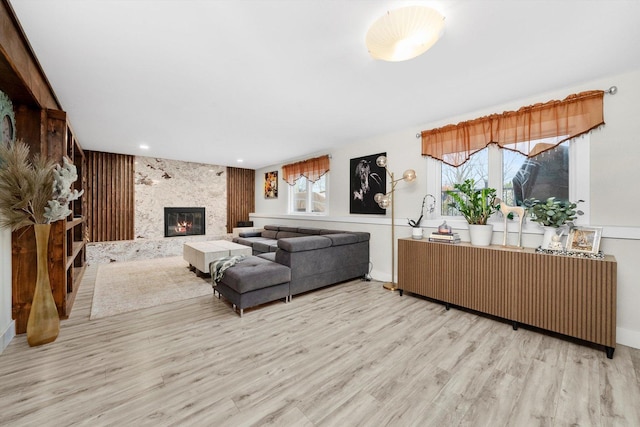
352 354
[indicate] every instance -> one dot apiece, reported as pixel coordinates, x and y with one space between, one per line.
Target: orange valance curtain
312 169
552 122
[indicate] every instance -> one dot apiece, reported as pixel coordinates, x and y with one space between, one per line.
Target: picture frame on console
271 185
584 239
367 179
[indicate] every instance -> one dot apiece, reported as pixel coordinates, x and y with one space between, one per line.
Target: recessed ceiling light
144 146
240 160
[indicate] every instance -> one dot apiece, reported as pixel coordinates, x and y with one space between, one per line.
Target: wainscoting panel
240 195
110 196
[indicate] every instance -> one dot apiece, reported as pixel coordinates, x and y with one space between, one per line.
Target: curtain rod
611 91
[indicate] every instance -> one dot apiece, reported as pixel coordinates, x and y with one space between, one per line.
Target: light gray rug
127 286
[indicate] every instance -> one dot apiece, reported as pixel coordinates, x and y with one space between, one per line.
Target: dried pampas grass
26 186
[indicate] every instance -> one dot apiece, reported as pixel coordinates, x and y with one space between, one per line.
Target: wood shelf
77 247
75 221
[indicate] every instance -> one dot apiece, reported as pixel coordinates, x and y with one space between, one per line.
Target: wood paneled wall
240 195
110 196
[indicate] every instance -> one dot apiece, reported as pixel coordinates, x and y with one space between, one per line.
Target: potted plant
552 214
476 206
36 192
415 224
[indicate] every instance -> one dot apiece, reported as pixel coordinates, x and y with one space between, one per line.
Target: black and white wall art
367 179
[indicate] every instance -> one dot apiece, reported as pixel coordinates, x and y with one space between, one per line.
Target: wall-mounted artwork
271 185
367 179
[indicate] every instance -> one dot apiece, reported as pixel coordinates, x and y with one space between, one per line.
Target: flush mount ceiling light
404 33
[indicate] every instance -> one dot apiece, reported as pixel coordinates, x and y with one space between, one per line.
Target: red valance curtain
312 169
530 130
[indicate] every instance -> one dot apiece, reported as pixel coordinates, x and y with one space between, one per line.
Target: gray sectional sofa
312 257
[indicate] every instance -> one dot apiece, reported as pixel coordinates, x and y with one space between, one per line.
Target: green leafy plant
476 205
553 212
33 191
431 208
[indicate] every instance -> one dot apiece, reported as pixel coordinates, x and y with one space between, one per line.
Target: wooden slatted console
568 295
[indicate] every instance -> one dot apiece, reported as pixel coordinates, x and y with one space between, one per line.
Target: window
309 197
562 172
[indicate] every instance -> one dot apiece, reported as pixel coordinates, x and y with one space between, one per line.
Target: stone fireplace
184 222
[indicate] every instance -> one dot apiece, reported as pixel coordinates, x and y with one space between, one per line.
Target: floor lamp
384 200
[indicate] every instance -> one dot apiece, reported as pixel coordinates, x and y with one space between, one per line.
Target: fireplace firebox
184 222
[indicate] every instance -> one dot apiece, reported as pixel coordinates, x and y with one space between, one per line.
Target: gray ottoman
254 281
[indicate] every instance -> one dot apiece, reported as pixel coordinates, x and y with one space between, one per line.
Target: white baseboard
7 335
628 337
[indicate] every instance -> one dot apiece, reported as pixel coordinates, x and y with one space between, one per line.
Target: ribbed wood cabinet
568 295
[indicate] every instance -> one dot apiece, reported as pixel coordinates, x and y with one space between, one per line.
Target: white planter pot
481 234
416 233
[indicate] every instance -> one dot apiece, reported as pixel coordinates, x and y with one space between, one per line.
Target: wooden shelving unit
44 127
67 241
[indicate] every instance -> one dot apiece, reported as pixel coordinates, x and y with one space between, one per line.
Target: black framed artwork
367 179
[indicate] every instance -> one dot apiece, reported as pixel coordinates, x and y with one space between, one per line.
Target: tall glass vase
43 324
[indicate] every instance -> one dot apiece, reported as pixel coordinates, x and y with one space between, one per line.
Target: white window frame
309 201
579 182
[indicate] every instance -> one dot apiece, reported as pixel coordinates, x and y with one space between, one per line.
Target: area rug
127 286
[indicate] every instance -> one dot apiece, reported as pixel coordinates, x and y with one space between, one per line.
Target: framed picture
367 179
271 185
584 239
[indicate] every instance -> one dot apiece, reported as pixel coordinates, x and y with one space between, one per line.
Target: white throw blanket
219 266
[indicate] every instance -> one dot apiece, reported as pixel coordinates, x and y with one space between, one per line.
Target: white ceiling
270 81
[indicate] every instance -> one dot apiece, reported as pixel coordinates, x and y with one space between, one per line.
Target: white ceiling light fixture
404 33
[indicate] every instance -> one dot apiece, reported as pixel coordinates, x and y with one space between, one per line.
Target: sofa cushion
341 239
270 234
272 227
271 256
265 245
285 234
362 236
305 243
310 231
289 229
327 231
248 241
250 234
254 273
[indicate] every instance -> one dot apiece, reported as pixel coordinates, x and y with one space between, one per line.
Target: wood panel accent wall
569 295
110 196
240 195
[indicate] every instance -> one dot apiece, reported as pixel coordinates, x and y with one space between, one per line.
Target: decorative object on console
444 228
36 192
476 205
384 201
444 234
404 33
556 243
271 185
415 224
506 211
445 237
584 239
367 179
552 214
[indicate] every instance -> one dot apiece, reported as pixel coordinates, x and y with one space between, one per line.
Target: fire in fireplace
183 222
